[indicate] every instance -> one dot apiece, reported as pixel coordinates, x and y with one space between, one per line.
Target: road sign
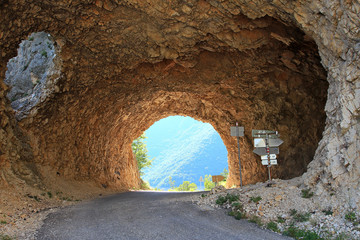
265 157
263 132
262 151
264 136
217 178
273 142
234 133
266 162
201 179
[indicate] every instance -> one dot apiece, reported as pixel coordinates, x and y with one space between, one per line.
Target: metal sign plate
233 132
262 151
273 142
265 157
263 132
264 136
217 178
266 162
201 179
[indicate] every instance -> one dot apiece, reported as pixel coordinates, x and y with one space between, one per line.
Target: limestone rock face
126 64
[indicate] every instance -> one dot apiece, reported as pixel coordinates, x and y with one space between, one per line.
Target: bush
305 193
49 194
272 226
228 198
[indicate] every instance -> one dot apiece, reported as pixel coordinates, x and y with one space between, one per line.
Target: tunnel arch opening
184 149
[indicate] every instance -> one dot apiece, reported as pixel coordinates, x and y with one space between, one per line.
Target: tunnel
121 66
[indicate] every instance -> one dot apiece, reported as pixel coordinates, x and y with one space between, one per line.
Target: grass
44 53
31 38
292 212
255 199
272 226
306 193
238 206
237 215
280 219
328 212
203 195
301 217
228 198
3 222
49 194
301 234
255 219
5 237
351 217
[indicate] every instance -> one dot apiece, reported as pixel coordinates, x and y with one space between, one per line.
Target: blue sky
184 149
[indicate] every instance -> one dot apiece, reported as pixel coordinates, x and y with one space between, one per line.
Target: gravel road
147 215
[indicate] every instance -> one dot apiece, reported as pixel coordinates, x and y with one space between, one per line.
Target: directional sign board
273 142
266 162
262 151
265 157
234 132
263 132
217 178
201 179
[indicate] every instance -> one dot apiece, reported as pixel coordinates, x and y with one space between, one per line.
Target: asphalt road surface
147 215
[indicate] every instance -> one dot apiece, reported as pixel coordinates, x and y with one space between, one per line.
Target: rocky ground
284 205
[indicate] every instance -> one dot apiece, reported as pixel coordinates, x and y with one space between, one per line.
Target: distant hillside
184 149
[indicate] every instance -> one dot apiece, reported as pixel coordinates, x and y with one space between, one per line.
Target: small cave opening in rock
32 75
181 149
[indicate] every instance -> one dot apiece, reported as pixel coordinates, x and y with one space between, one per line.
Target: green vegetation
141 153
327 211
228 198
49 194
31 38
172 183
225 174
306 193
145 185
255 199
187 186
280 219
301 234
299 217
272 226
44 53
255 219
208 183
292 212
3 222
5 237
351 217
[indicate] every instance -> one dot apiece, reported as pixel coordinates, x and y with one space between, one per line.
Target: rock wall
127 64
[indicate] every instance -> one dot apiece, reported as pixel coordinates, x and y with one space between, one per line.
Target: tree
187 186
225 174
208 183
141 153
172 183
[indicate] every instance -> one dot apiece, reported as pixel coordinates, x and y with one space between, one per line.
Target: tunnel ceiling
126 64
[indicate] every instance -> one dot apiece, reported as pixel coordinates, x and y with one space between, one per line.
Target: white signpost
201 180
266 144
238 132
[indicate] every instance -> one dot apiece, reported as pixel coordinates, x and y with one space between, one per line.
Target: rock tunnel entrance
263 73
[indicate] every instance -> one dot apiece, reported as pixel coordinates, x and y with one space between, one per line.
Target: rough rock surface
126 64
31 75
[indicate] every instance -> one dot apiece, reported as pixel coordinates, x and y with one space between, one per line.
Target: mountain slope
184 149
